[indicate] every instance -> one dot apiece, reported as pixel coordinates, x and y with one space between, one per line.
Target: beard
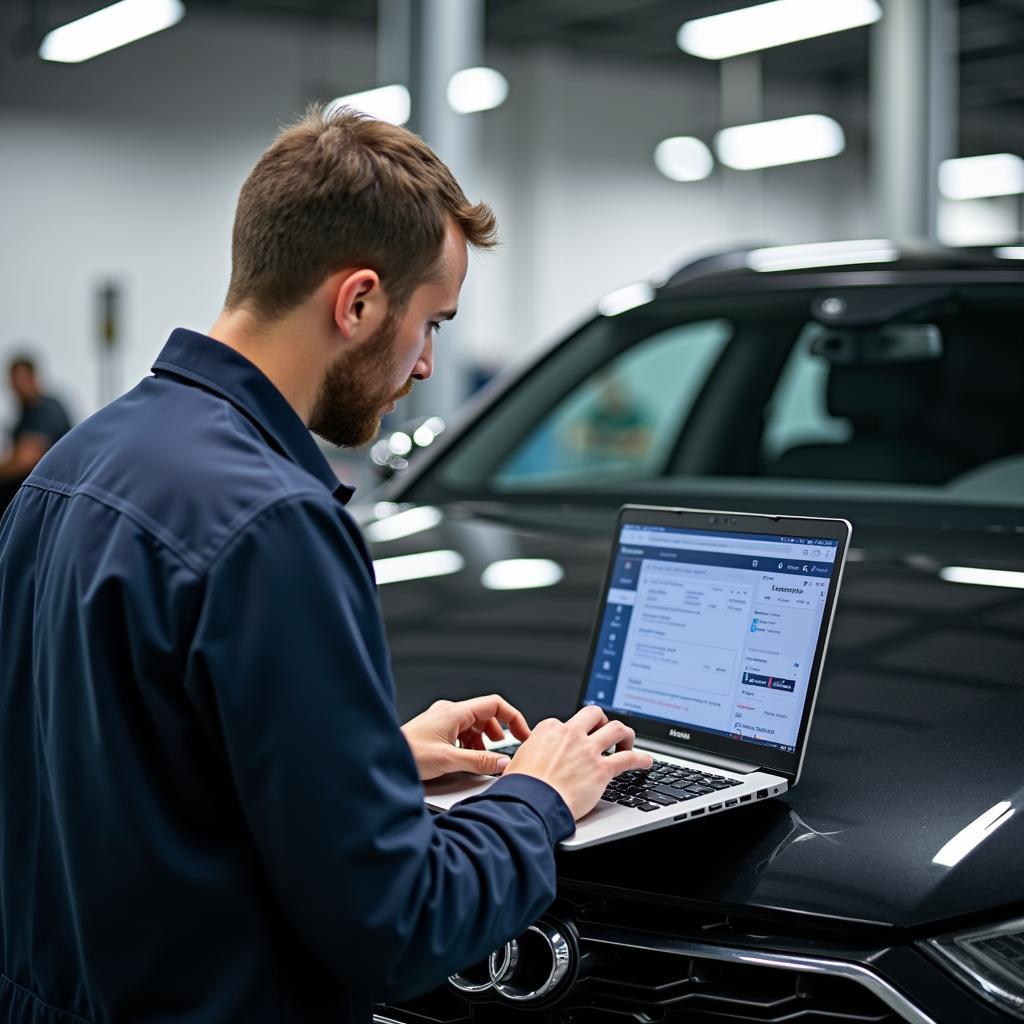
356 390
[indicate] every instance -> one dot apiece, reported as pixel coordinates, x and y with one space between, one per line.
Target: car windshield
901 393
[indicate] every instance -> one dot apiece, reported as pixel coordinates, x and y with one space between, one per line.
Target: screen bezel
782 762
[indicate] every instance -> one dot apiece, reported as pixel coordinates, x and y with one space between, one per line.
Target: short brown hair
338 188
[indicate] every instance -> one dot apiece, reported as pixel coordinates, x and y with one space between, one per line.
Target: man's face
364 384
23 383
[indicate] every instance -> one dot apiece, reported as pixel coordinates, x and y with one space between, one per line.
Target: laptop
709 641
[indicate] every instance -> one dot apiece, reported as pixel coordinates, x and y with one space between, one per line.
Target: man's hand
568 757
433 734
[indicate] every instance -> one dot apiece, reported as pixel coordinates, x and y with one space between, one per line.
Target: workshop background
119 172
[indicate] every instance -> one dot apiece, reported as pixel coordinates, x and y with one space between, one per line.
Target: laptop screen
712 631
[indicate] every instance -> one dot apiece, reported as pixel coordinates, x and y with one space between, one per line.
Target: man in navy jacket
208 809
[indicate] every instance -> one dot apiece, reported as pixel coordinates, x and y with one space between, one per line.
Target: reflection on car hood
917 731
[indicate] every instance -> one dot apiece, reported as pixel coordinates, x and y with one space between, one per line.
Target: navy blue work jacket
207 810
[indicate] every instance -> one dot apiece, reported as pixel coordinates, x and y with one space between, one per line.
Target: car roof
853 262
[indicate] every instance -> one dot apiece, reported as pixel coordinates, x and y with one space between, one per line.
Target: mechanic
209 811
42 421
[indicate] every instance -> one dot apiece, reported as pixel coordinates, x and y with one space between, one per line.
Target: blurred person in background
614 428
209 810
42 422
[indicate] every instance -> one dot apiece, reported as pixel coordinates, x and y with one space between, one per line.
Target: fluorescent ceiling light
790 140
416 567
474 89
977 177
521 574
630 297
1010 252
388 103
683 158
983 577
109 28
404 524
970 836
822 254
772 24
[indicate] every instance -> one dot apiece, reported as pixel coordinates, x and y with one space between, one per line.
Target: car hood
908 810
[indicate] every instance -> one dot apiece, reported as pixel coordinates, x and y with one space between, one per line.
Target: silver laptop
709 641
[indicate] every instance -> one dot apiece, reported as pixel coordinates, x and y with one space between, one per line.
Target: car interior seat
887 404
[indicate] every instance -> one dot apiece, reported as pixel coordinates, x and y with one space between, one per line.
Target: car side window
798 412
624 418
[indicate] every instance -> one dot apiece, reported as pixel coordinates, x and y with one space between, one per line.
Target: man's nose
425 364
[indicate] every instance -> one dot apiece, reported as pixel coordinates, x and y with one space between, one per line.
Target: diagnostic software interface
715 631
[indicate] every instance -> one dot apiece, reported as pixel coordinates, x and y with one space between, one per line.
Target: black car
849 379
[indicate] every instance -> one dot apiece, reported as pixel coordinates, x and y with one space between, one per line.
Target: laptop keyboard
663 784
659 786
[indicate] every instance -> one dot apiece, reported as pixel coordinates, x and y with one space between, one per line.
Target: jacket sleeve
289 669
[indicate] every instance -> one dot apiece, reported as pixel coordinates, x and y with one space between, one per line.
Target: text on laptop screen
712 631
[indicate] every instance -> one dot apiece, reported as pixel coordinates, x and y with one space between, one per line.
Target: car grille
621 983
652 985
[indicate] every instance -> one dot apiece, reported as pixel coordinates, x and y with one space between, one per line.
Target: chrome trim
504 982
461 983
470 988
895 1000
509 954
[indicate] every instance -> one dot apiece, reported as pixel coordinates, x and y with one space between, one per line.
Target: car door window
624 418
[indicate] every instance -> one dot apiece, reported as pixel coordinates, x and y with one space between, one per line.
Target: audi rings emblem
525 970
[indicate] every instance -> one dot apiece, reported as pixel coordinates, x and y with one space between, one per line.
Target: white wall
127 167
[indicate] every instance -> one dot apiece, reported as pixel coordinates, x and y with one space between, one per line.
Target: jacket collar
216 367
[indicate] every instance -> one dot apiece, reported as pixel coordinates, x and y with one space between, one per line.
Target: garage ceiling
991 36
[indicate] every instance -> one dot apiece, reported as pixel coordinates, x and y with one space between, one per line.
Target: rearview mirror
893 343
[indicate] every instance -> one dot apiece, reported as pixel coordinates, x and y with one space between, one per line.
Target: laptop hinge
701 756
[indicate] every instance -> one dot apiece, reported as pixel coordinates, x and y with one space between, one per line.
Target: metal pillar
913 112
452 39
421 44
397 48
741 101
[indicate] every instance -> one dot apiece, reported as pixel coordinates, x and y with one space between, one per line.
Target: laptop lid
712 628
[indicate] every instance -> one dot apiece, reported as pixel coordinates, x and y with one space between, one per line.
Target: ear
359 303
